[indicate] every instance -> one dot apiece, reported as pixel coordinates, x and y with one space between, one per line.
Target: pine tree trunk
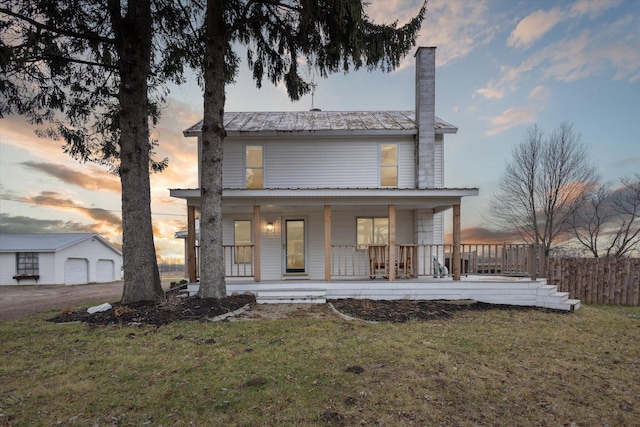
212 282
141 277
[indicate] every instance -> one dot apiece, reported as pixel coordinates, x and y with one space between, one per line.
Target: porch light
270 227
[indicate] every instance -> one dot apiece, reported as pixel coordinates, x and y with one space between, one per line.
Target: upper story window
388 165
372 231
254 167
242 232
27 263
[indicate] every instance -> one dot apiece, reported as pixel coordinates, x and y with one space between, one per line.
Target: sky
502 66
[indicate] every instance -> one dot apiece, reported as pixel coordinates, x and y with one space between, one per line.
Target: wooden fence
597 280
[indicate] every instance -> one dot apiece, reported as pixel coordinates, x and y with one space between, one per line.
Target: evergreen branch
62 32
35 59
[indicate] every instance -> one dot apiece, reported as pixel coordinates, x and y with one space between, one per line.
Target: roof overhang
296 124
438 199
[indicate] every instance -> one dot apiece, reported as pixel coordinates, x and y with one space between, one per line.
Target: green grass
479 368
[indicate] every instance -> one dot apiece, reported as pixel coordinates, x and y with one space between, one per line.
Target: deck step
292 296
566 305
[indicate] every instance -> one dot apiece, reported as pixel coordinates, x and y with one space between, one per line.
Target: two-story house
335 195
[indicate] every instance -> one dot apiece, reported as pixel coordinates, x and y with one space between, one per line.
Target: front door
294 246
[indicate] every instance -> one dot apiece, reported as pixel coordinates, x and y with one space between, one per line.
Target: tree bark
212 282
141 277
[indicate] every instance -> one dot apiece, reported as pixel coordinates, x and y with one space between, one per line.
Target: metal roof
323 122
45 242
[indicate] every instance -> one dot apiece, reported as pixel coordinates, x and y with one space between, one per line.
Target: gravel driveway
25 300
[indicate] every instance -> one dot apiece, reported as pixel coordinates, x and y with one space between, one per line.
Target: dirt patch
284 311
192 308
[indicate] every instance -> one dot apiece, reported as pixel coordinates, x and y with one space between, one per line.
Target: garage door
76 271
105 271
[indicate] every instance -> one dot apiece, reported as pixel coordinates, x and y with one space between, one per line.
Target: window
27 263
242 231
254 170
372 231
389 165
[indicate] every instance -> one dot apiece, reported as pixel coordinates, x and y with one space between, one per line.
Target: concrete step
292 296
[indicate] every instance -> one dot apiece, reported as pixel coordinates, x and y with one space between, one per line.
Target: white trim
283 235
244 163
380 165
331 192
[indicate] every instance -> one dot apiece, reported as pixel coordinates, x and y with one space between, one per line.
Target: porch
314 244
329 233
496 274
493 290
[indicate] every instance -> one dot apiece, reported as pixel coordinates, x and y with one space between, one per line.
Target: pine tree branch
94 37
34 59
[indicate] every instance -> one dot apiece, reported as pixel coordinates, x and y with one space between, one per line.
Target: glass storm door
294 245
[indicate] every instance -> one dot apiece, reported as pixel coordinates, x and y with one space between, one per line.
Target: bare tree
546 181
626 205
589 222
609 223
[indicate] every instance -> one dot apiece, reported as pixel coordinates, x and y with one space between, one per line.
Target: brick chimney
425 116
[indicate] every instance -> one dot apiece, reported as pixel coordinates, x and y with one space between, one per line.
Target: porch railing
519 260
238 260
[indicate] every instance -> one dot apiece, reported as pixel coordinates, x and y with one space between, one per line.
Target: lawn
502 367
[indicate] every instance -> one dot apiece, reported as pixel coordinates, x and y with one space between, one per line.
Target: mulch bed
162 313
407 310
192 308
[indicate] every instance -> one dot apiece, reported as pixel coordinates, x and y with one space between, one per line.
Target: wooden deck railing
349 260
238 260
499 259
411 260
435 260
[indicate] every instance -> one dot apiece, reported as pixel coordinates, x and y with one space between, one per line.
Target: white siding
7 268
315 246
48 269
438 228
438 163
320 163
271 257
233 165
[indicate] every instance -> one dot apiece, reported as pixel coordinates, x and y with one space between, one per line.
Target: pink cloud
533 27
510 118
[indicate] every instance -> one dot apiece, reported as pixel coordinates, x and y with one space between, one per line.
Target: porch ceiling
237 200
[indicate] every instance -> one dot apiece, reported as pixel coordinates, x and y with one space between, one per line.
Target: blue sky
502 66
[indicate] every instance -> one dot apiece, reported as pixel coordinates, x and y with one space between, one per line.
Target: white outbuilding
58 258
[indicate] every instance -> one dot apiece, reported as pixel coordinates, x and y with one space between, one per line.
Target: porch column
256 243
455 257
327 243
392 243
191 244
